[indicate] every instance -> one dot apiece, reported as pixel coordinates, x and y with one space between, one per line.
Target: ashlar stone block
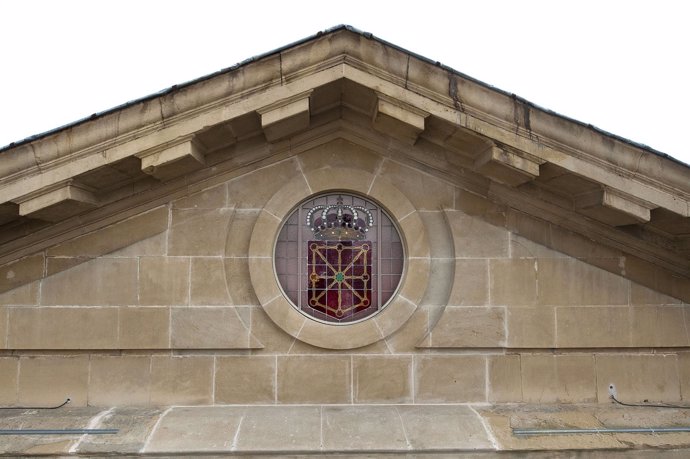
474 238
652 377
245 379
505 379
467 327
253 190
210 198
382 379
208 284
531 327
280 428
568 281
9 372
63 328
450 378
199 232
471 283
181 380
119 380
144 328
359 428
314 379
163 281
20 272
209 328
593 326
114 237
48 381
558 378
513 281
424 191
102 281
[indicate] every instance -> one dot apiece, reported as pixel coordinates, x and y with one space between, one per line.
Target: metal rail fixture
602 430
59 431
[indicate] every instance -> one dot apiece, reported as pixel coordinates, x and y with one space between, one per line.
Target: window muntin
339 270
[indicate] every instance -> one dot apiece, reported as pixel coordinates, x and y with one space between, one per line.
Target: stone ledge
320 430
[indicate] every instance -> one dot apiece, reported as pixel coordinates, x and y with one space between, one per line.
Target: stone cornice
627 181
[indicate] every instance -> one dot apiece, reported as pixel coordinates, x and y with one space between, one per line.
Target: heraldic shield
340 277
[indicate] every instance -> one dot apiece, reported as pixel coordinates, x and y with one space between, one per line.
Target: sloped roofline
331 30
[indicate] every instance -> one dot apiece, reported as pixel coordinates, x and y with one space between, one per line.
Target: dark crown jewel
339 221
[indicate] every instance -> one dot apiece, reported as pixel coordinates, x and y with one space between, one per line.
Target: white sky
622 66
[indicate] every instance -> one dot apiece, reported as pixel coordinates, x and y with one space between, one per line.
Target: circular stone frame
344 336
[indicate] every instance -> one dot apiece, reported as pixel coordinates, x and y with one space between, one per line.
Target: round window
339 258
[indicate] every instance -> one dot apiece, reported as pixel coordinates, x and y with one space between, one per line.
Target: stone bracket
173 160
614 207
506 167
398 119
285 117
58 202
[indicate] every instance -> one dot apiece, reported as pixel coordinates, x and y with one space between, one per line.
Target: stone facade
164 292
179 305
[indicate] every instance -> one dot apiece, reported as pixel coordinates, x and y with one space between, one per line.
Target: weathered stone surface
4 318
639 294
245 379
382 379
208 282
63 328
239 283
114 237
558 378
449 378
471 284
20 272
240 232
163 281
443 427
181 380
531 326
102 281
474 238
314 379
505 379
606 326
119 380
134 425
9 371
253 190
570 281
638 377
513 282
195 430
198 232
659 326
209 328
210 198
424 191
337 154
68 417
469 327
24 295
49 380
144 328
359 428
279 429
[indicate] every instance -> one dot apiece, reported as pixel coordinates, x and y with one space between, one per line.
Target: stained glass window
339 258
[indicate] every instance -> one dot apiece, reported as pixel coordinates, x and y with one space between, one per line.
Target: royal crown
337 222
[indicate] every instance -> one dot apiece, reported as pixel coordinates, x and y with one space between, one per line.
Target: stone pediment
532 164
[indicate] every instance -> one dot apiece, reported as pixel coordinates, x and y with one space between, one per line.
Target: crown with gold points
338 222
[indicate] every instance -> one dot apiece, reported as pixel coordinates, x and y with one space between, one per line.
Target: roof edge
307 39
